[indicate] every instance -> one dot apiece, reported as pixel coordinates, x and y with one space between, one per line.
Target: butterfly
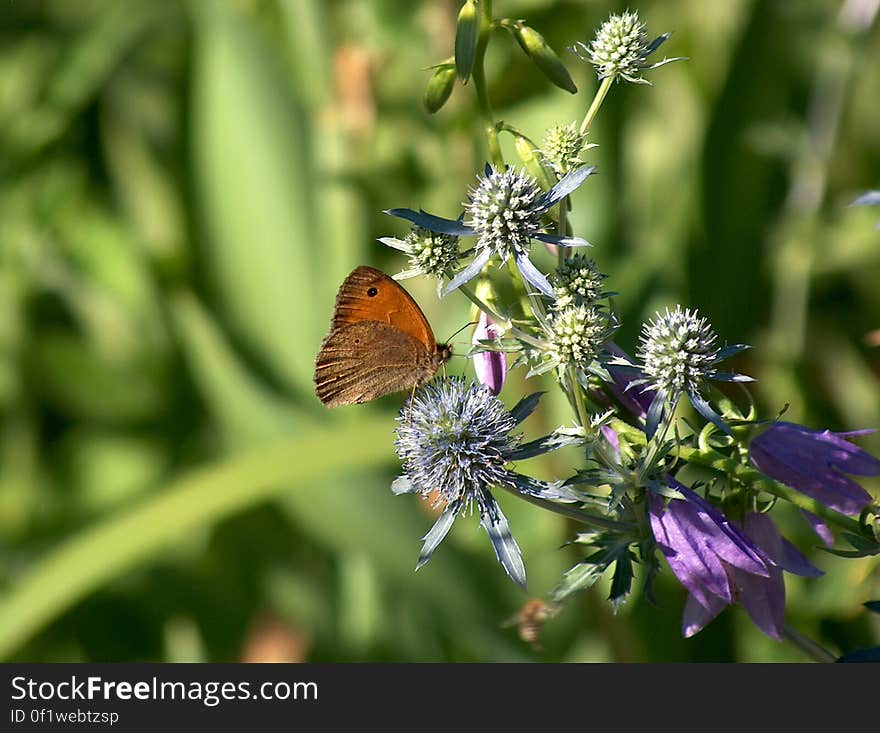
379 342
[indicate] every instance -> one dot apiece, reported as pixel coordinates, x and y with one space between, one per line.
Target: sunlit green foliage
183 186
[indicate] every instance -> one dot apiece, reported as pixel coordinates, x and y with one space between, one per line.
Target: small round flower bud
576 335
439 87
678 351
562 147
467 32
504 211
577 281
544 57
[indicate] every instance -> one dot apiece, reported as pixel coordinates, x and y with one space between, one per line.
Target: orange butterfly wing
379 342
368 294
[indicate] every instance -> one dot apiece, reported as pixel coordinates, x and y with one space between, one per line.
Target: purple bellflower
814 462
490 366
720 564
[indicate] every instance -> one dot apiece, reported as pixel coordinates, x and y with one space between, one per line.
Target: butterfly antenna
412 396
470 323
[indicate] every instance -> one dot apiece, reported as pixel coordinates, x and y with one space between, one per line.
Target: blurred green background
183 186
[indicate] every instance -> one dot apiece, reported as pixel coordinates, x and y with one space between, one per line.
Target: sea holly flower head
576 335
679 355
562 146
504 211
720 563
621 48
455 442
431 254
577 281
815 462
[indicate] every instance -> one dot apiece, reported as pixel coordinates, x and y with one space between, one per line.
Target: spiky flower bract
577 281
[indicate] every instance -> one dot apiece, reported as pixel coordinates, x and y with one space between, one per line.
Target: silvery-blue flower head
455 441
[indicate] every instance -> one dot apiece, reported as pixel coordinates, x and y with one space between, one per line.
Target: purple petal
794 561
822 446
806 460
696 568
433 223
697 614
820 528
738 550
532 275
763 599
490 366
612 438
761 529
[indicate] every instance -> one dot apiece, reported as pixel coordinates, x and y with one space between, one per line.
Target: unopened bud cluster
577 281
562 146
576 335
431 253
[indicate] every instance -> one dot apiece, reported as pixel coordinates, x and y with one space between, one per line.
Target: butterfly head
444 352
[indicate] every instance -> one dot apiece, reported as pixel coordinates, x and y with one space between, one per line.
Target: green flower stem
576 395
578 515
596 104
500 320
756 479
478 74
98 554
750 477
654 446
599 448
813 650
562 253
